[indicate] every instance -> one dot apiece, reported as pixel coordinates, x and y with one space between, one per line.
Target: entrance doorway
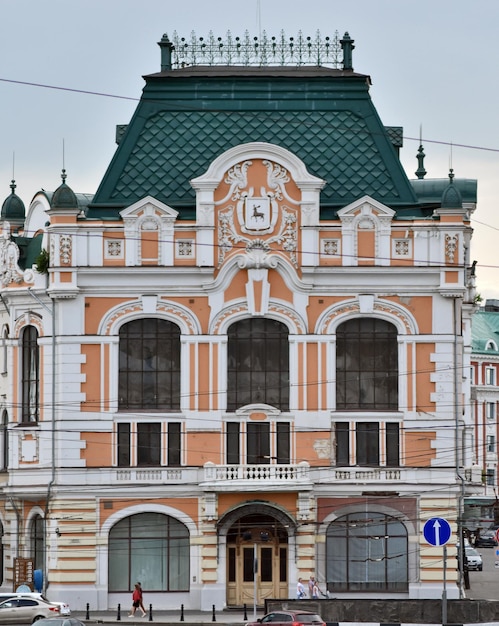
257 560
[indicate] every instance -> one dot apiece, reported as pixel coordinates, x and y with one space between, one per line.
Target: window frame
131 534
490 375
30 375
258 361
355 443
142 344
367 367
132 444
266 443
349 546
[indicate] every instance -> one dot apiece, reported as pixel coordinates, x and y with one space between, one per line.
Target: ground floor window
366 551
151 548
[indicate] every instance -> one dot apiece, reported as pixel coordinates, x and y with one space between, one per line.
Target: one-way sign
437 531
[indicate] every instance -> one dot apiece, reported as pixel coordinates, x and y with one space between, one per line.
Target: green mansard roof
189 116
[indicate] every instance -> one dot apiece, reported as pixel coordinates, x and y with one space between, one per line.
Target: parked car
25 610
59 621
289 618
487 539
64 608
474 559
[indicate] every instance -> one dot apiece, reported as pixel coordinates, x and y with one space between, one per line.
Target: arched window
149 365
37 541
258 364
152 548
366 551
30 375
2 554
366 365
5 337
4 441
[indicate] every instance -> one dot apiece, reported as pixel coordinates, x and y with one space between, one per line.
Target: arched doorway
257 559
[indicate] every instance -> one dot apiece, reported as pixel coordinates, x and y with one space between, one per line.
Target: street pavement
484 585
227 618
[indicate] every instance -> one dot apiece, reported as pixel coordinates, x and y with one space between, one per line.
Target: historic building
253 340
483 509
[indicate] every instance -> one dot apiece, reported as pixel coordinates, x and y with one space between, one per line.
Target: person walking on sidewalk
141 605
136 600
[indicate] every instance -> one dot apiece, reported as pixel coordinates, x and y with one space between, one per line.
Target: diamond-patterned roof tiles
175 147
181 125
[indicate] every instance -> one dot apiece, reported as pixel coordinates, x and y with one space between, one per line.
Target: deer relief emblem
257 213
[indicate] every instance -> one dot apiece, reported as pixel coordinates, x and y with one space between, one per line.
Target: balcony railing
249 473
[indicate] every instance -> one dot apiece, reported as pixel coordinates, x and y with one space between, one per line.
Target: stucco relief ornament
9 257
65 249
257 256
451 242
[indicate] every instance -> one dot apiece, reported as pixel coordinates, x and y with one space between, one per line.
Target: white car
474 558
63 607
25 610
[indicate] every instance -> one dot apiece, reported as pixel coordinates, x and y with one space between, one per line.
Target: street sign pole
444 592
437 532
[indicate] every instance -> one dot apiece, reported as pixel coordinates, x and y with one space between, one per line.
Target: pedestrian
141 600
300 590
136 599
311 583
315 591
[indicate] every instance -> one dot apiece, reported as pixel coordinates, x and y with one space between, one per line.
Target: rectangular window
491 410
257 443
123 445
392 444
472 375
490 376
283 442
367 444
174 443
148 444
342 444
233 443
491 443
490 477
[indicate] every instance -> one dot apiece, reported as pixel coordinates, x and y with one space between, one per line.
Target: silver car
26 610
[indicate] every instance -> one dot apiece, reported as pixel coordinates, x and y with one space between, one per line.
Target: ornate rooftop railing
258 51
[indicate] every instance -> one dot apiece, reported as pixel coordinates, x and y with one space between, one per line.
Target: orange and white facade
315 414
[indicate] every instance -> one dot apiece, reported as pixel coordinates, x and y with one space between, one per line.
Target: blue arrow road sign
437 531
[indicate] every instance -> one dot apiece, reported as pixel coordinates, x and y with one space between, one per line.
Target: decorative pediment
146 208
366 207
146 221
360 220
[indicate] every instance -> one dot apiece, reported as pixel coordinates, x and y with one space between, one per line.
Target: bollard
245 617
150 612
181 612
87 614
118 617
213 618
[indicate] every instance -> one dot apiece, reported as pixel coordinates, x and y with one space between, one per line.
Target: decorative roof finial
420 172
13 185
347 47
63 176
166 53
451 175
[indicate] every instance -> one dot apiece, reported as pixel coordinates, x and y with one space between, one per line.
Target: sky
433 66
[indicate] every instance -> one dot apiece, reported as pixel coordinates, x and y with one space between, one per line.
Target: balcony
250 477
